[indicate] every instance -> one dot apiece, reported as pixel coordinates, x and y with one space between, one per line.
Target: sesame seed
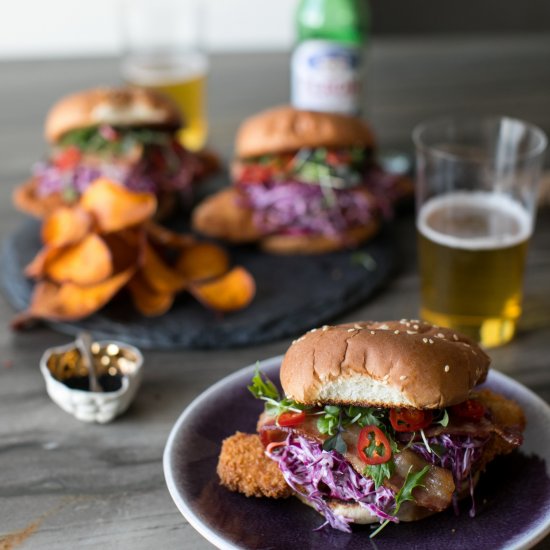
440 335
313 330
403 321
455 337
384 327
430 340
352 329
403 377
396 332
412 332
447 368
416 327
358 327
293 342
425 340
386 377
325 327
372 332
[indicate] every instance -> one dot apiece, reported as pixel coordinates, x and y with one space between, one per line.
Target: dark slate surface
294 294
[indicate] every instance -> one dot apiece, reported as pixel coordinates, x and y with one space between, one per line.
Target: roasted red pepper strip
68 158
373 445
409 420
289 419
471 409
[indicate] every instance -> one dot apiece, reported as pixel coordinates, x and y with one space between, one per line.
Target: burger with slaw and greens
381 422
126 134
304 182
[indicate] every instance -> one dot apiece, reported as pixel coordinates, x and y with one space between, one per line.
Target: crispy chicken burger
380 422
126 134
304 182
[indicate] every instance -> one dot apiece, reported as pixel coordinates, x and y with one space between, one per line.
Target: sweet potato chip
126 247
114 207
37 268
66 225
203 261
87 262
234 290
158 274
147 301
164 237
69 302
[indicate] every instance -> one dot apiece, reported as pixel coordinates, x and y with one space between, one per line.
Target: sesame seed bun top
405 363
125 106
284 129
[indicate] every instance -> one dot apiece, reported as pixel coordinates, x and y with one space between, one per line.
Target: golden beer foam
504 210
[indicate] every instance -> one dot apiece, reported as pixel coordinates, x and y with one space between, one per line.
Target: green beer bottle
327 62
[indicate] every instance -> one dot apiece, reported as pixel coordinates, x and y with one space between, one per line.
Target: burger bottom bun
26 199
318 244
357 514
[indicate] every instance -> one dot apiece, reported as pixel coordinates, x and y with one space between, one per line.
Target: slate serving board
293 295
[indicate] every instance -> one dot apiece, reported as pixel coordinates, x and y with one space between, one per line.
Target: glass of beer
162 50
476 192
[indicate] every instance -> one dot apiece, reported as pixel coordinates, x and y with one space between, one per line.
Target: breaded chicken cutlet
506 414
243 467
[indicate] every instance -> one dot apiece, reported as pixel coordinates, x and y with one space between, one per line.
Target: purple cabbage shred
319 475
457 453
293 207
142 176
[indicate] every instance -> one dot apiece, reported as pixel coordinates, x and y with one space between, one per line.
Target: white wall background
62 28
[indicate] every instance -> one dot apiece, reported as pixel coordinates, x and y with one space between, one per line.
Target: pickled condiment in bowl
118 369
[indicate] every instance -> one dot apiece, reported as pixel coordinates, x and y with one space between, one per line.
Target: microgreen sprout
413 480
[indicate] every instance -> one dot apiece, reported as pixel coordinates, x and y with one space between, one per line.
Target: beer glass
162 50
476 191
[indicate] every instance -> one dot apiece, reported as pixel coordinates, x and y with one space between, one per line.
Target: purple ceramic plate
513 496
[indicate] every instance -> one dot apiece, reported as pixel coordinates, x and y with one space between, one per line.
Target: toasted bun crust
389 364
318 244
127 106
287 129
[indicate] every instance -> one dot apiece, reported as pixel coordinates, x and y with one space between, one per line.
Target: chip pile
108 241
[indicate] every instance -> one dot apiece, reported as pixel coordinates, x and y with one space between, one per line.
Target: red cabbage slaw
293 207
141 176
457 453
318 475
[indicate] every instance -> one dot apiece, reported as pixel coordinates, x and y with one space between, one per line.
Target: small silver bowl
118 368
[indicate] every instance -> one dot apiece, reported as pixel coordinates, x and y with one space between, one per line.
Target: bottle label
326 76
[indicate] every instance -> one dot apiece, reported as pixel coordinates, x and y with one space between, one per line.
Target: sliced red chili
410 420
256 173
289 419
373 445
471 409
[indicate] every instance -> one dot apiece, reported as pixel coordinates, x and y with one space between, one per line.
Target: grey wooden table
64 484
